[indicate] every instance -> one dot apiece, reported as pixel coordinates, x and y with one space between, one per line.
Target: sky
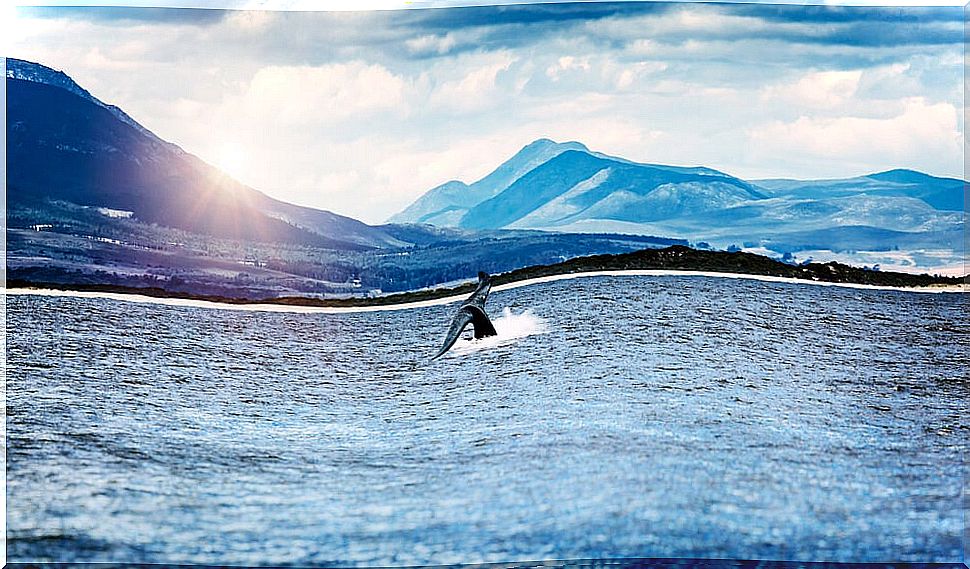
361 112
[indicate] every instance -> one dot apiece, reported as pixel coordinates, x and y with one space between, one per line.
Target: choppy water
618 417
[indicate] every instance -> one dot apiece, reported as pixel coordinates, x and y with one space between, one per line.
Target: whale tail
483 326
472 311
467 314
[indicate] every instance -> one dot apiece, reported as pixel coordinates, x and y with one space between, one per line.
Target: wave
510 327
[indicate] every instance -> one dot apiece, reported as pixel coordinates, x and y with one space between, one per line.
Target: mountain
446 204
580 185
63 144
572 189
36 73
519 186
96 198
567 187
549 185
945 194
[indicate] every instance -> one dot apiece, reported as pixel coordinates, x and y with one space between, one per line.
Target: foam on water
510 327
655 416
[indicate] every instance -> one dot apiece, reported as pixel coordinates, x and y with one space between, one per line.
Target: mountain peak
447 203
903 176
543 143
70 148
37 73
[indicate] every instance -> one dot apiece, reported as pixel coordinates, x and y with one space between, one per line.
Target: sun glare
231 159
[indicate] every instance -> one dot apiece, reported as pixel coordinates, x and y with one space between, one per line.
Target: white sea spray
510 326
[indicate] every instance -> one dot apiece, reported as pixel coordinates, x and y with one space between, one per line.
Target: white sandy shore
449 299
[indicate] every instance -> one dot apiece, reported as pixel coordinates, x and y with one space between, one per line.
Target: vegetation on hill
676 257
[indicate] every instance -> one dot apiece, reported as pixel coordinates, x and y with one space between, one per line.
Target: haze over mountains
67 145
566 187
95 197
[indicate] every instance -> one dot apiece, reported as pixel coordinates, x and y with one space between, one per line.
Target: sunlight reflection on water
611 417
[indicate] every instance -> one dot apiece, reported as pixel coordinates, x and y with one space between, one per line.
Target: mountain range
565 187
96 198
548 184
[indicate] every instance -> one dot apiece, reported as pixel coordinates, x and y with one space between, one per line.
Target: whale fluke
471 311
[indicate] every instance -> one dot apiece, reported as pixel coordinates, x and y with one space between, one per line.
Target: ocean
616 416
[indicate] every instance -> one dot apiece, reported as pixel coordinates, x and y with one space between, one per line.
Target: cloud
323 94
431 44
921 133
544 16
566 64
361 112
686 22
817 89
250 21
477 90
123 16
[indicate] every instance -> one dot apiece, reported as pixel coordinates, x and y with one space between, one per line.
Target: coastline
287 306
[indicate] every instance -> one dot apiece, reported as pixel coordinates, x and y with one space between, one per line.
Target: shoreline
286 307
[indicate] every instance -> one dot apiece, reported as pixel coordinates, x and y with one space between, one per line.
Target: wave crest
510 327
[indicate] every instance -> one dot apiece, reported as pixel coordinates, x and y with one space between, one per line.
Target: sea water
612 417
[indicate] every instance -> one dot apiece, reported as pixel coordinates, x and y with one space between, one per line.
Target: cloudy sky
362 112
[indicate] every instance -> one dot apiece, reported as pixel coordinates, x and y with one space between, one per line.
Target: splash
510 327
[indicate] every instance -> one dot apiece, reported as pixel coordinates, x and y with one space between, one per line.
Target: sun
230 157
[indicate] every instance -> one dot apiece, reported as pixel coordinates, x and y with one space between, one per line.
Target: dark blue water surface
626 417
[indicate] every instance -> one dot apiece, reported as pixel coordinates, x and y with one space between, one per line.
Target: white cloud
817 89
95 58
922 133
477 90
630 75
565 64
324 94
688 22
251 21
431 44
351 113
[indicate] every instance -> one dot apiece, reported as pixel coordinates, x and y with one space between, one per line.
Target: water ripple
613 417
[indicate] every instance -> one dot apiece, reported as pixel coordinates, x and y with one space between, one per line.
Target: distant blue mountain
572 189
580 185
446 204
549 184
948 194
